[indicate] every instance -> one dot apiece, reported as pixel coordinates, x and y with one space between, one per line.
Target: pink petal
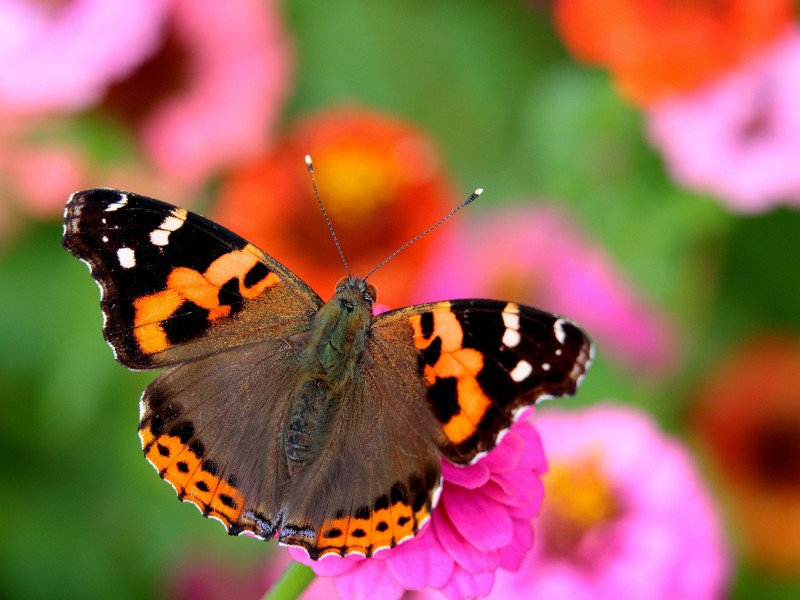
421 562
464 553
470 477
371 580
465 585
519 488
506 455
483 522
512 555
534 457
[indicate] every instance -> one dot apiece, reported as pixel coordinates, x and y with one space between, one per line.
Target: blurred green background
84 516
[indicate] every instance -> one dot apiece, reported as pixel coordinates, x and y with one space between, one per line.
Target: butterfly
280 414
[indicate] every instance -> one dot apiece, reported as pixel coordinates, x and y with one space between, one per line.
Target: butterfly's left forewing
176 286
483 361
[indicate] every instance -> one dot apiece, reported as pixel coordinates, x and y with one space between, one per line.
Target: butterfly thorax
331 351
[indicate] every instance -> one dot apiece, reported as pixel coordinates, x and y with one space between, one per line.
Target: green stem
295 579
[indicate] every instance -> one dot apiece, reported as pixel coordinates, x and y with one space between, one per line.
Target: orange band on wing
188 285
453 362
178 465
384 528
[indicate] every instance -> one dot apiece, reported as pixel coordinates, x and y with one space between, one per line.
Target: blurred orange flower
658 47
380 179
748 417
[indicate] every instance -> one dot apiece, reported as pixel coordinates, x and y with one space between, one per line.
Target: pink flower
536 256
199 83
207 578
482 524
625 516
739 138
62 56
235 81
39 177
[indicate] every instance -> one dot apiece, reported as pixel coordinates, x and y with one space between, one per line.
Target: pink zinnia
235 82
481 524
626 515
535 255
739 138
62 56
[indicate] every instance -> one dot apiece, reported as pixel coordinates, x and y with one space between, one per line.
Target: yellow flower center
578 498
357 184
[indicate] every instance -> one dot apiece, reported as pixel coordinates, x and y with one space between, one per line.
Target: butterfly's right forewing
482 361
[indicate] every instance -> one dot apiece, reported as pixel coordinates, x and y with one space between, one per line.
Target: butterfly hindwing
211 428
377 480
176 286
482 361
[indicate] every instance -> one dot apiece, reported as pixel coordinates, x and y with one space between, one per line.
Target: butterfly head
352 292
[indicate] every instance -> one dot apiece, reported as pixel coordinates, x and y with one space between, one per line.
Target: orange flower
380 180
748 416
658 47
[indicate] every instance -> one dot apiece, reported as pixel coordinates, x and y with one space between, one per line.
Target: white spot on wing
159 237
546 366
123 200
558 329
172 223
126 257
511 338
521 371
511 316
105 238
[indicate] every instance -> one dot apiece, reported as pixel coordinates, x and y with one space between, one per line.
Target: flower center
579 499
158 78
356 184
776 454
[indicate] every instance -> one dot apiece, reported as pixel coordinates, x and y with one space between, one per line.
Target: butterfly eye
341 282
371 293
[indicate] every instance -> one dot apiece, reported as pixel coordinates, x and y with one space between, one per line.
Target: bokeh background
641 161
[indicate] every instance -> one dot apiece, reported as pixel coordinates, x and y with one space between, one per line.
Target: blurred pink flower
39 178
41 164
234 82
481 524
739 138
199 83
625 516
536 256
61 56
209 578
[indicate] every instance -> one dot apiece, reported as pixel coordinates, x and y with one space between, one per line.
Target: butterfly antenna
472 197
310 167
